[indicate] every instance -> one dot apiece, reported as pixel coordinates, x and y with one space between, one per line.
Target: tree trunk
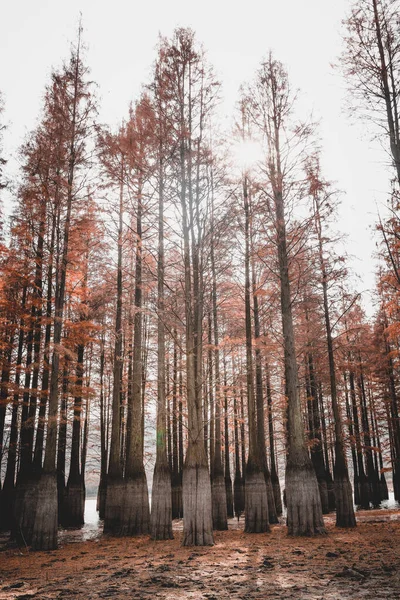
371 474
362 478
352 444
7 495
180 427
62 442
238 490
256 498
272 513
135 518
218 489
343 492
274 471
74 498
228 480
176 479
304 511
115 487
317 456
102 490
196 487
161 503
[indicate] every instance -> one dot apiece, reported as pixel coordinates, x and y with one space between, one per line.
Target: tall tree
114 482
256 500
371 64
161 506
271 109
135 513
192 91
73 107
343 492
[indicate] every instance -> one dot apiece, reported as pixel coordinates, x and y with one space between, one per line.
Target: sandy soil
359 564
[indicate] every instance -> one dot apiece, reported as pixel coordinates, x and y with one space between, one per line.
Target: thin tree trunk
218 488
238 489
7 507
256 497
102 490
161 504
74 498
362 478
115 488
11 504
371 474
274 472
272 513
329 479
176 479
136 512
228 479
352 443
343 493
304 511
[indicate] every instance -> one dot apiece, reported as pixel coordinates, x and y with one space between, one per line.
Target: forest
181 335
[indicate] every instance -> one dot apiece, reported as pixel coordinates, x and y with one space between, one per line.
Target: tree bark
256 499
161 504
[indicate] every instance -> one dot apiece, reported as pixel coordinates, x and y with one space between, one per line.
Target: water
391 503
92 529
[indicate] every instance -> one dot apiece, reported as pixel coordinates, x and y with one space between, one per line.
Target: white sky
121 37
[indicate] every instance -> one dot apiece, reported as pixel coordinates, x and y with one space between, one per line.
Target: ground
363 563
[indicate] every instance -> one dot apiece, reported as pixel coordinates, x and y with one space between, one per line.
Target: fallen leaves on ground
363 563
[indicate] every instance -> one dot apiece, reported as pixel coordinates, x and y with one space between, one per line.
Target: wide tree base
304 512
113 506
45 527
219 504
197 511
24 511
161 504
344 502
135 514
7 503
73 510
256 502
238 495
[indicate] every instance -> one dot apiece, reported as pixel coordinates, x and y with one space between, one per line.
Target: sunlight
246 153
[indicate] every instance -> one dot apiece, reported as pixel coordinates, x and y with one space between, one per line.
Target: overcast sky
121 36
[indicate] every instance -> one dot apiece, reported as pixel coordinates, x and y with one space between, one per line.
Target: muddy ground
359 564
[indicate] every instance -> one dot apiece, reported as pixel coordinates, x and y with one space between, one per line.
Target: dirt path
359 564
